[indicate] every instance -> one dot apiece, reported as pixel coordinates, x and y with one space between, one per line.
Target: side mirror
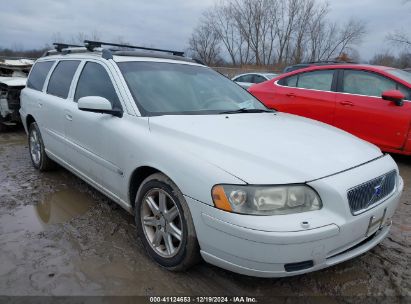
395 96
98 104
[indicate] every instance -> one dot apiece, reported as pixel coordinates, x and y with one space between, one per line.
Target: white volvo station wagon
206 169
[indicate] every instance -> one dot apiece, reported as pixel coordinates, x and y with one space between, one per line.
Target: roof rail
91 45
60 46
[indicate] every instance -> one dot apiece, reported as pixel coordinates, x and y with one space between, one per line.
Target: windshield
166 88
406 76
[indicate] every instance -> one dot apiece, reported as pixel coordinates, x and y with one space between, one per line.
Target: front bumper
256 246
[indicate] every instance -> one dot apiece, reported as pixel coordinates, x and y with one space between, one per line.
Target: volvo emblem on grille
378 190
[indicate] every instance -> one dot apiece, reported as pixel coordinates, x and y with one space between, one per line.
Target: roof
121 56
14 81
265 74
355 66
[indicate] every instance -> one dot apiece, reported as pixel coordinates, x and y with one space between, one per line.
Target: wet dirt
58 236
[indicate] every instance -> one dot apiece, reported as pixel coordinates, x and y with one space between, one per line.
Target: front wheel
164 224
38 155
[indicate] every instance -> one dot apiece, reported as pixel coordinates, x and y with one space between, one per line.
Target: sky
167 24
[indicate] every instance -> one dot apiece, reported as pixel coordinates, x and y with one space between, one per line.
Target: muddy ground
58 236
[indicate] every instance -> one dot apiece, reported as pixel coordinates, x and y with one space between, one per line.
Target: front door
90 135
361 111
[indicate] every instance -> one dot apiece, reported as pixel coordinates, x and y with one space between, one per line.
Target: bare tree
267 32
204 43
400 38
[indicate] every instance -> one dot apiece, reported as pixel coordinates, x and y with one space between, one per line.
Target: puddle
57 207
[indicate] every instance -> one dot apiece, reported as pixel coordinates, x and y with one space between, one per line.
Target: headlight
266 200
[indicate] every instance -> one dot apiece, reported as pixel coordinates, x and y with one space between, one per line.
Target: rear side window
317 80
60 80
94 81
39 74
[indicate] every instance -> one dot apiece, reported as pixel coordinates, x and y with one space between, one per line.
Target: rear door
361 110
308 94
54 101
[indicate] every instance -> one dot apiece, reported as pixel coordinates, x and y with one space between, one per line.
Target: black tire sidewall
179 258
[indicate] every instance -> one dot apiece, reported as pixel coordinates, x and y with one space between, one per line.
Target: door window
60 80
258 79
369 84
39 74
245 78
95 81
317 80
365 83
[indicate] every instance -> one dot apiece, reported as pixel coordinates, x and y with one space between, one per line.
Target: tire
161 227
38 155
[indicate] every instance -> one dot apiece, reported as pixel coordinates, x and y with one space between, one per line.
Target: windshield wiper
244 110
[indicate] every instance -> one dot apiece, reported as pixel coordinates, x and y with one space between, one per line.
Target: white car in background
205 168
13 77
249 79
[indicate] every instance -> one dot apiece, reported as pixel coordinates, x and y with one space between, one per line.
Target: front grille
370 193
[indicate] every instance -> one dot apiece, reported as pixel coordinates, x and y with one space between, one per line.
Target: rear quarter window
39 74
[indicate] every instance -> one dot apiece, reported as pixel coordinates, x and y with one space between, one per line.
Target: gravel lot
58 236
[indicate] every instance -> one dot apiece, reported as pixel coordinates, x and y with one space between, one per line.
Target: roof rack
60 46
91 45
106 53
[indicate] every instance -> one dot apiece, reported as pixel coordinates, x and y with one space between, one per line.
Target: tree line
268 32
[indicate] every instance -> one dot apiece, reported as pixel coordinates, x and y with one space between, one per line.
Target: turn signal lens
220 199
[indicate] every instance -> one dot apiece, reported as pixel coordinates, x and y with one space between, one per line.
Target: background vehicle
300 66
193 157
13 77
371 102
249 79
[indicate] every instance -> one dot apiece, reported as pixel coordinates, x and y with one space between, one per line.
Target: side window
258 79
60 80
291 81
366 83
245 78
317 80
94 81
39 74
405 91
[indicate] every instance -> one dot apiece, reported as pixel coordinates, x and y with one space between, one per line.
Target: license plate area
375 224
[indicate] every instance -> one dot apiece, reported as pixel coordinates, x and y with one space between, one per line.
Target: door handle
69 117
290 95
346 103
40 105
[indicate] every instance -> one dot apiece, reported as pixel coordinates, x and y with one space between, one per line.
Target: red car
371 102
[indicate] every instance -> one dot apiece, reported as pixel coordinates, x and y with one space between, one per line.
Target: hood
265 148
14 81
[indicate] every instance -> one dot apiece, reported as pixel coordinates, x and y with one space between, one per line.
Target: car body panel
371 118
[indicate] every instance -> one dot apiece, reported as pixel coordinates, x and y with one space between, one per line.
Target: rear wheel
164 224
38 155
